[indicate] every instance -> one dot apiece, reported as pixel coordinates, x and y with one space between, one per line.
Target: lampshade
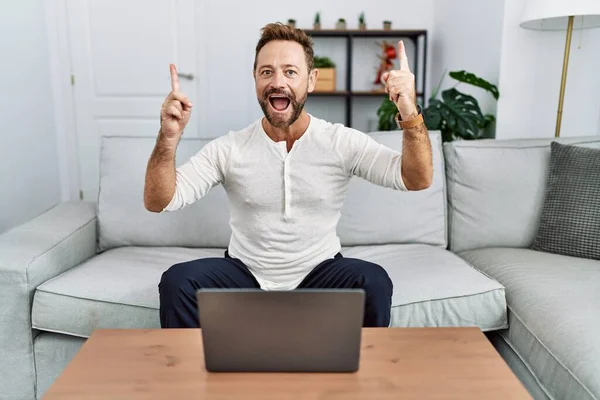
553 14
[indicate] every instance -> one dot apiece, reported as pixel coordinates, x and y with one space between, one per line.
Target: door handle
189 77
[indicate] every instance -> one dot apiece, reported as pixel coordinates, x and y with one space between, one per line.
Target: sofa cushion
496 189
553 315
119 289
115 289
570 222
375 215
124 221
435 288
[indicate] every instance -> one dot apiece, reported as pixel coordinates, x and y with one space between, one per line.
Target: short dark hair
279 31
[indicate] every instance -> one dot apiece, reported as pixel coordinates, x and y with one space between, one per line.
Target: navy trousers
178 286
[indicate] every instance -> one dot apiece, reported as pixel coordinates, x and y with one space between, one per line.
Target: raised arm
417 163
160 181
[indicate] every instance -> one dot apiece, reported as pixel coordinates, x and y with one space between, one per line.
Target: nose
278 81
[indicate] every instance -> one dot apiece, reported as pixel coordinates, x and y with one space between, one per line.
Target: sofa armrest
30 254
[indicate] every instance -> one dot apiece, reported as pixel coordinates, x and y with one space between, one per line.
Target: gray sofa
457 254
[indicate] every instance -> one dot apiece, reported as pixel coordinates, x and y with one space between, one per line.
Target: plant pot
387 25
341 25
326 80
362 26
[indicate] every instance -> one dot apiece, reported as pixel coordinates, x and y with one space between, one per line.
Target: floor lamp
560 15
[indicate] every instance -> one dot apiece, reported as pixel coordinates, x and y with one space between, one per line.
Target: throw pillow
570 221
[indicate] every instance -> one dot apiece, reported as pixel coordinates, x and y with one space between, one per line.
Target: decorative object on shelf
291 23
326 78
362 25
554 15
317 23
386 63
387 25
341 24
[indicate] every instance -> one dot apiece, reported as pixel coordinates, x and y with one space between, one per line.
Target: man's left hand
400 85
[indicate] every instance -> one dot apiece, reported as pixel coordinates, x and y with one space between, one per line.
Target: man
285 176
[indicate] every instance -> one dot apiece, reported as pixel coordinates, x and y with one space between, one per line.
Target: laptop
302 330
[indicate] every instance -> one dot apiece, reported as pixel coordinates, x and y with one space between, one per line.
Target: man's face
282 81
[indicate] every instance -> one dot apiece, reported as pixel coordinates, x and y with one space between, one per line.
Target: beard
293 111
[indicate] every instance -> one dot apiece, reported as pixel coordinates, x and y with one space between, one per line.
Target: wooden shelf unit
359 93
419 39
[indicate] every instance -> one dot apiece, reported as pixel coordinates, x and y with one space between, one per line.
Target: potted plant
457 115
326 80
317 23
341 24
362 25
387 25
292 23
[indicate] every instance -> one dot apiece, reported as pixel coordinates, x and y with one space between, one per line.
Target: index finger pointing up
402 57
174 78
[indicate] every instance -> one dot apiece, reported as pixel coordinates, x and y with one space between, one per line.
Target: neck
289 134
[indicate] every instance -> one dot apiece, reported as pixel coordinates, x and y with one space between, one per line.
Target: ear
312 79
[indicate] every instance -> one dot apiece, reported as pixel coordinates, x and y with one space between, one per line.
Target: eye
266 72
291 72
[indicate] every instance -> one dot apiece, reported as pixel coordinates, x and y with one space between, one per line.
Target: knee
174 278
377 279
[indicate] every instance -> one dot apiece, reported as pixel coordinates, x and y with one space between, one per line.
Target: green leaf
387 113
323 62
458 115
472 79
487 120
433 115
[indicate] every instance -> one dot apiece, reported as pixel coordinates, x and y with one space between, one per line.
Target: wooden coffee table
407 363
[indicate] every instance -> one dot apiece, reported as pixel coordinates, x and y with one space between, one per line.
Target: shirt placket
287 203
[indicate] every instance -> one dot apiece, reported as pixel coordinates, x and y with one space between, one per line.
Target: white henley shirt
285 206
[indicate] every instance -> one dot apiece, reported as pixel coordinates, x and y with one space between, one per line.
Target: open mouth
279 102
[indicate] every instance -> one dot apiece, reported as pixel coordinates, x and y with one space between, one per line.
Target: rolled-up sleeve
370 160
206 169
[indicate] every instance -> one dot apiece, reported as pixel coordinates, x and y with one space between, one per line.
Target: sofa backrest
124 221
371 214
496 190
376 215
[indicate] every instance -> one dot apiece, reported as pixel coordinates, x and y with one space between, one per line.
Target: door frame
63 100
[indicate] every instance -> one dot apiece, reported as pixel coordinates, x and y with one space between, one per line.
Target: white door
120 52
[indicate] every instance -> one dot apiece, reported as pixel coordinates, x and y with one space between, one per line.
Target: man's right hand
175 111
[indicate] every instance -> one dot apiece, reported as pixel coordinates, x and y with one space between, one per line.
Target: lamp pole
563 80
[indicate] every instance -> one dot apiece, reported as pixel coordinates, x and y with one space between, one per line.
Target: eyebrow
272 67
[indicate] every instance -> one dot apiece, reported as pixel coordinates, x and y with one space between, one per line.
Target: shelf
361 93
368 93
364 33
340 93
348 36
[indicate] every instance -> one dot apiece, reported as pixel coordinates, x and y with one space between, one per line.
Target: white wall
29 181
231 29
530 74
468 36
